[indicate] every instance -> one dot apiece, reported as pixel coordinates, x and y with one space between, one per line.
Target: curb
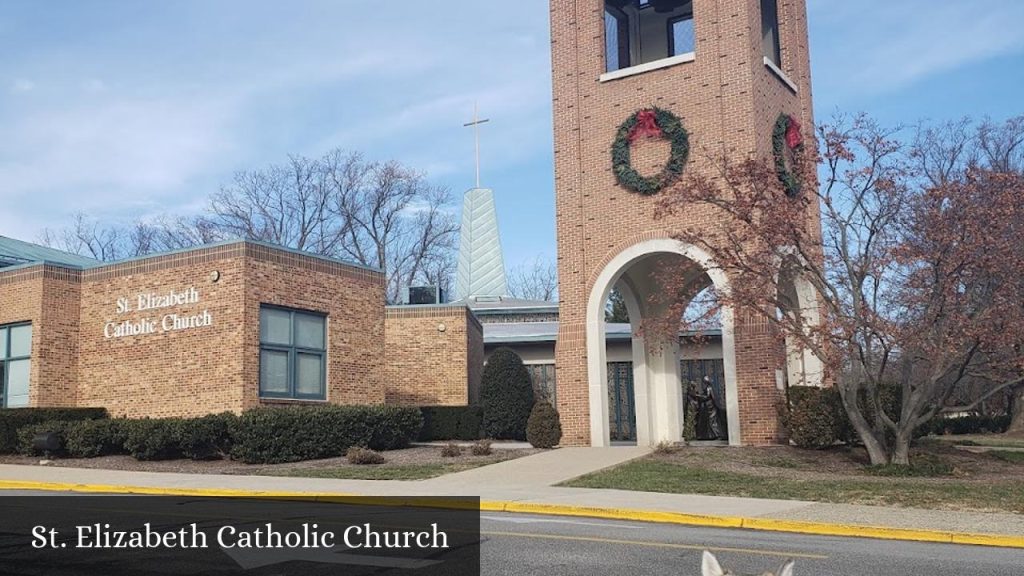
763 524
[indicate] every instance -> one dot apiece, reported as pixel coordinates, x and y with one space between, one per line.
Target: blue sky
126 109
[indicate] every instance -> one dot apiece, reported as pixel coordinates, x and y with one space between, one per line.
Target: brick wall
215 367
728 101
434 355
353 300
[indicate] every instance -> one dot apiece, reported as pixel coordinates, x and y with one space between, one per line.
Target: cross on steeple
476 137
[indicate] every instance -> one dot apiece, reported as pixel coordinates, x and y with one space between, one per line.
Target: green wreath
650 122
786 137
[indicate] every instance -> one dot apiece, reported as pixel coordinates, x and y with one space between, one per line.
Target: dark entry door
621 407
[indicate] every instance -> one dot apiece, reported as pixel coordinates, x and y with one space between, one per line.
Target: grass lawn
376 472
984 482
994 440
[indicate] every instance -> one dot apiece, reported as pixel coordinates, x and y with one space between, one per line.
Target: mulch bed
417 455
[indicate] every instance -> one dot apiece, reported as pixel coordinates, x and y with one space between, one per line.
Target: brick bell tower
727 70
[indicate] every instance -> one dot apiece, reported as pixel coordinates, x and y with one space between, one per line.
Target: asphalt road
552 546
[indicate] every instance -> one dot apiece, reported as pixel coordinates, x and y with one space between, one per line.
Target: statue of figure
710 422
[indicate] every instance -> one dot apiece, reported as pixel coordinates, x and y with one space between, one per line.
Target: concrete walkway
531 480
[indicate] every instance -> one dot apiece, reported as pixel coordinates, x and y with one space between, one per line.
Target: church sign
170 322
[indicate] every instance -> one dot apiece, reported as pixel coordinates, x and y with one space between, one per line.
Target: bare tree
87 237
916 272
534 280
382 215
109 242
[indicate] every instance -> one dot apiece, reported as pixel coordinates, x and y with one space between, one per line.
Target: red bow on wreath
794 137
646 126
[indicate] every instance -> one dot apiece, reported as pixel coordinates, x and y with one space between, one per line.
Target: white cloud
877 46
22 85
197 98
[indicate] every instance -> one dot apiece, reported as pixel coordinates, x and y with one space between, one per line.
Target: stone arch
803 367
656 376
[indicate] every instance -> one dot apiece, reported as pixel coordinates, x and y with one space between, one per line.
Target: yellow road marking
766 524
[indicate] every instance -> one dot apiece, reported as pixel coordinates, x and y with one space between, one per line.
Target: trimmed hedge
450 423
208 437
270 435
154 438
93 438
13 419
506 396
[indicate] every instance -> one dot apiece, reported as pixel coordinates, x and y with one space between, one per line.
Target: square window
274 372
293 352
21 341
15 365
17 383
309 374
640 31
309 331
275 326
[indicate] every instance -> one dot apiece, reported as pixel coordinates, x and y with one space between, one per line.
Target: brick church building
240 324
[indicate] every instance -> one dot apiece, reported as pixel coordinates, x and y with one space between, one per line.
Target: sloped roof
14 252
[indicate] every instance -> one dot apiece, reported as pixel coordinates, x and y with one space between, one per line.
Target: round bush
544 429
506 396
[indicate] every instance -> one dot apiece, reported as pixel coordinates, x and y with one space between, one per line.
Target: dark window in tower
642 31
770 31
616 38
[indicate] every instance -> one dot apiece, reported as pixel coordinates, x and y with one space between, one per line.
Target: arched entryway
658 394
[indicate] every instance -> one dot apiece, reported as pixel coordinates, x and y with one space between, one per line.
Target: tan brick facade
187 370
728 100
435 355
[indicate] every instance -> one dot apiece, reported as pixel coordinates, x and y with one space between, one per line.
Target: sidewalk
527 484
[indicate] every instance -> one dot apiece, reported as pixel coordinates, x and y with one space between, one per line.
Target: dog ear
787 569
709 565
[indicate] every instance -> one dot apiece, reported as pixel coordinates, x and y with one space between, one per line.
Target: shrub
393 427
666 448
208 437
154 439
451 450
544 429
969 424
481 448
92 438
810 417
271 435
506 396
26 434
450 423
13 419
357 455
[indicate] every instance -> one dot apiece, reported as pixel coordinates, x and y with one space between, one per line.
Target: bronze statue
710 421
